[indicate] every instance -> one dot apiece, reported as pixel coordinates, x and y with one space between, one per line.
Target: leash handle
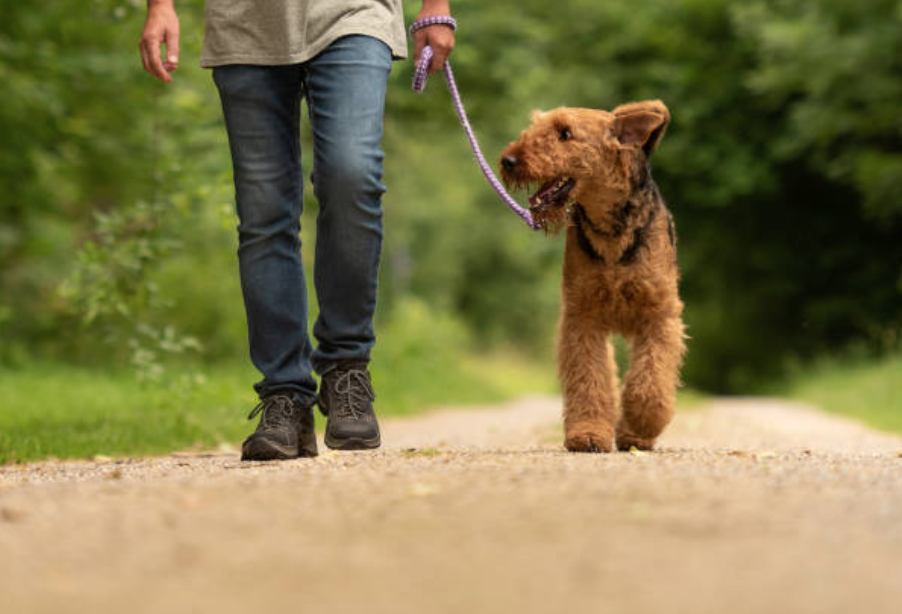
421 70
421 73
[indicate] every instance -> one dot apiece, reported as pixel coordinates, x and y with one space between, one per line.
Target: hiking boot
346 398
285 430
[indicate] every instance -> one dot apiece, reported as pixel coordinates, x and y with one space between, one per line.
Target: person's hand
161 28
439 37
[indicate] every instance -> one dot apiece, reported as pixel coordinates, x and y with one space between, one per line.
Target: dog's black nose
509 162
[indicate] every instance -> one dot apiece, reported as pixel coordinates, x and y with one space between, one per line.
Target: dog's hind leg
649 389
588 375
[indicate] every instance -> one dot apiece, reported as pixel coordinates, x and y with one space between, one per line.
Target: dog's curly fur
620 270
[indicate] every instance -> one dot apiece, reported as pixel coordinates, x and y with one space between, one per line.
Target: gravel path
750 505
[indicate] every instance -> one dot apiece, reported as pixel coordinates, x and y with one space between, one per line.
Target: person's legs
262 114
345 87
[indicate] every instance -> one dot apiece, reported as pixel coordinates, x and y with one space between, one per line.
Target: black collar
640 235
579 218
581 221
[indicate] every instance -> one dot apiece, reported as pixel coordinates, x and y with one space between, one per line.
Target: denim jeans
344 87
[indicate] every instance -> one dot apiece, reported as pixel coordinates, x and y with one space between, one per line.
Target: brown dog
620 269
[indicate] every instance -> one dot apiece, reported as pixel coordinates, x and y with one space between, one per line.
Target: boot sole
263 450
353 443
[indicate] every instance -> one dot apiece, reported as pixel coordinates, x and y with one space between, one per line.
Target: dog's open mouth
554 193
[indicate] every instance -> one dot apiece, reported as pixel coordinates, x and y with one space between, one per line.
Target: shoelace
354 392
277 410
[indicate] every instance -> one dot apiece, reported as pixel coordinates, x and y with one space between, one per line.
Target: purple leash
419 84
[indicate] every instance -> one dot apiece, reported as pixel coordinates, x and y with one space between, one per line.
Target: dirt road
750 505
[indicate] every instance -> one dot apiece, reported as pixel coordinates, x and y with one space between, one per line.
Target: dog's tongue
544 191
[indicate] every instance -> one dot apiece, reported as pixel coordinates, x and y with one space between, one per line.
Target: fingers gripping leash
419 84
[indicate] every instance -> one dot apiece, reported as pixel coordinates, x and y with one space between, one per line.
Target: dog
620 270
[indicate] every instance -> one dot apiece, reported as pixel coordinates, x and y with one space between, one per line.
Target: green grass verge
689 399
63 411
866 390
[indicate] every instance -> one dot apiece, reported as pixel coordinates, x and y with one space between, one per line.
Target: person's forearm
160 3
436 7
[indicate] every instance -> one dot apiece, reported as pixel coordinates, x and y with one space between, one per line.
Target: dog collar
582 239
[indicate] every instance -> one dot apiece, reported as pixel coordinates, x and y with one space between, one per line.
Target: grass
54 410
867 390
406 387
690 399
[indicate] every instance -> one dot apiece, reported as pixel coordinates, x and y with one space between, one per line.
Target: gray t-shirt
272 32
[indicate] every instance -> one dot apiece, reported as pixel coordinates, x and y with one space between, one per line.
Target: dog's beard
553 219
549 205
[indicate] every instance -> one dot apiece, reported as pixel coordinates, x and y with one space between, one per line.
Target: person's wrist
431 14
422 23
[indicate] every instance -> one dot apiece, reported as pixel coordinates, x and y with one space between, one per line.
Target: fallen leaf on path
427 452
766 454
100 458
742 453
636 451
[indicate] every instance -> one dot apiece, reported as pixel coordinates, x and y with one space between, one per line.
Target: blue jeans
345 91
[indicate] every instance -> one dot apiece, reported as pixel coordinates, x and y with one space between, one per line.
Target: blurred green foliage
783 168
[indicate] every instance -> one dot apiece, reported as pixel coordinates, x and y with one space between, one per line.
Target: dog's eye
564 134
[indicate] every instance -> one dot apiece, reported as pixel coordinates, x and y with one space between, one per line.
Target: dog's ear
641 124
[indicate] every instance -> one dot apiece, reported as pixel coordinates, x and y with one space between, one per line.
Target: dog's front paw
626 442
589 442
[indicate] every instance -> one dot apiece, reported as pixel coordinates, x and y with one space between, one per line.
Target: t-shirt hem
398 51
